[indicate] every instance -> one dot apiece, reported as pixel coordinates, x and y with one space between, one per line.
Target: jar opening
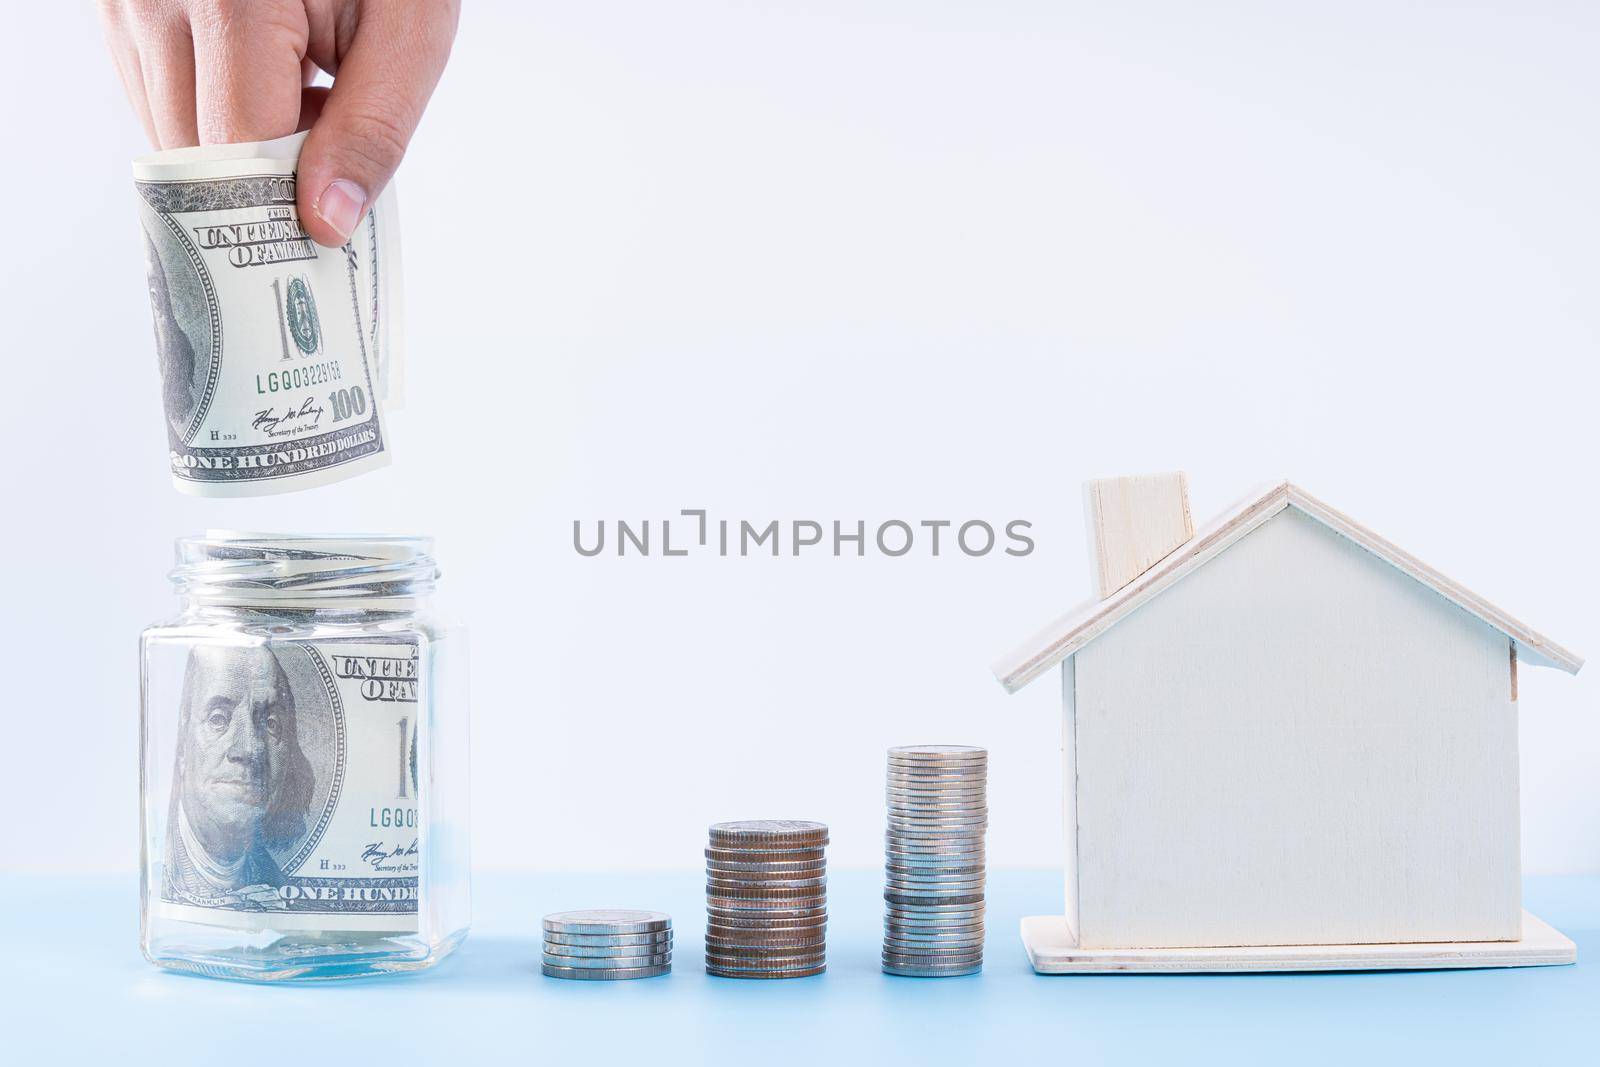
305 571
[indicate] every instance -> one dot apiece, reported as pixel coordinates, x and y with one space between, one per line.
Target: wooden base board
1051 950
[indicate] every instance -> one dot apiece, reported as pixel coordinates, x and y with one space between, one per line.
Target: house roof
1086 622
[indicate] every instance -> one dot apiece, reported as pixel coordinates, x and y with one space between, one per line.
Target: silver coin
908 971
764 938
592 974
974 770
752 935
607 921
777 926
774 961
934 870
934 776
917 847
924 842
944 919
777 900
914 788
753 958
933 863
728 972
552 937
937 861
763 885
555 948
935 934
962 954
921 940
894 868
762 866
924 959
932 898
934 891
789 832
949 838
925 914
758 912
934 782
767 916
767 855
950 751
934 875
756 921
740 946
767 878
954 917
953 962
936 802
937 877
930 804
655 959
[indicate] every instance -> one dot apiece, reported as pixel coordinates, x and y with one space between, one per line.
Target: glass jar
304 779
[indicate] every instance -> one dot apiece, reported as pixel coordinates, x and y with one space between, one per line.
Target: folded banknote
279 358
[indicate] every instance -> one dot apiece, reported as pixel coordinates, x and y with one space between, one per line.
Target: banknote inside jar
298 747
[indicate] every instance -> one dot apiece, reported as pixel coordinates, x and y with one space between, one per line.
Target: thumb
384 79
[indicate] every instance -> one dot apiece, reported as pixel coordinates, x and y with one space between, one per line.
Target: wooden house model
1288 745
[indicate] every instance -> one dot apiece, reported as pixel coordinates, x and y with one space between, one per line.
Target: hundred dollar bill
294 788
279 358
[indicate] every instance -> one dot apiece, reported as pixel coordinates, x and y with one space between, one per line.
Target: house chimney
1134 522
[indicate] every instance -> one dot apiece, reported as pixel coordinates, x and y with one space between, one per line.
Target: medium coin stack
934 860
607 944
767 899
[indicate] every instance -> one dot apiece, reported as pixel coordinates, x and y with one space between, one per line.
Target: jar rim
332 571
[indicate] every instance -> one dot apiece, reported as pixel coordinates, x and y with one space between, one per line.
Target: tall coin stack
934 860
767 899
607 944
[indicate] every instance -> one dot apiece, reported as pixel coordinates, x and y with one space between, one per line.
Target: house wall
1069 791
1296 744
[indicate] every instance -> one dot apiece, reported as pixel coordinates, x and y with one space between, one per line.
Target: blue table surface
77 989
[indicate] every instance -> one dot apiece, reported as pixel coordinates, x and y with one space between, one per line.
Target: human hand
221 71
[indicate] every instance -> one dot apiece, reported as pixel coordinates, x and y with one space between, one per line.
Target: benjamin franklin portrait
243 788
180 312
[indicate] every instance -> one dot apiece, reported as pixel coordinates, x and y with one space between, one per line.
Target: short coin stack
767 899
934 860
607 944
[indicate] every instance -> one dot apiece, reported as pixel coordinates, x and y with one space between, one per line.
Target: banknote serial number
282 381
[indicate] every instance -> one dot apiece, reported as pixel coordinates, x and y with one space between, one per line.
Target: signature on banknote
379 856
294 421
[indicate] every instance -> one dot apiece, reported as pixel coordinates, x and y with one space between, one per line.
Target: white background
861 260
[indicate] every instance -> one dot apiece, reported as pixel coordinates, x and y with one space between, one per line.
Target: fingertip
330 214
